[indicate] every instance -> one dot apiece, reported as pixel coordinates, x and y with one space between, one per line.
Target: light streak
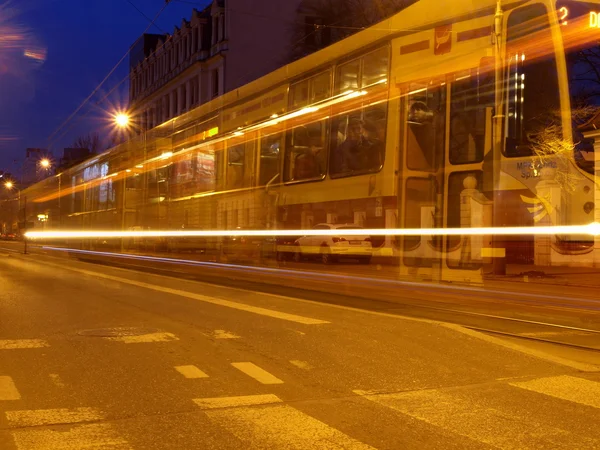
592 229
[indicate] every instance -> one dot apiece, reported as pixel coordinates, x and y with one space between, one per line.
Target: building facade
224 46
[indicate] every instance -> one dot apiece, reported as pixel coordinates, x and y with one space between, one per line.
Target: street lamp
45 163
122 120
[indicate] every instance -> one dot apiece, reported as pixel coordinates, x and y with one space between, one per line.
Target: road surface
102 357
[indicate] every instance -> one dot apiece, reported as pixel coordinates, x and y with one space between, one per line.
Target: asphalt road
96 356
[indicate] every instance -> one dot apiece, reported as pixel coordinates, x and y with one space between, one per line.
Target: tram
454 117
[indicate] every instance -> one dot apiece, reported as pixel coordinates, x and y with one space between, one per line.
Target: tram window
270 149
236 163
299 95
358 142
426 128
420 213
470 99
306 152
375 67
314 89
533 102
347 77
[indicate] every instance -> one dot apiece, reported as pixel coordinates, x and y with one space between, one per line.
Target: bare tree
327 21
89 141
550 146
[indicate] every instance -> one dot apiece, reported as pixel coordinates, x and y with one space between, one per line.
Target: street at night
94 356
300 224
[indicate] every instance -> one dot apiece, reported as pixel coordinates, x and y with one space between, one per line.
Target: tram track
405 300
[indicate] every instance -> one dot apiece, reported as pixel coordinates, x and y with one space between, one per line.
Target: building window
215 83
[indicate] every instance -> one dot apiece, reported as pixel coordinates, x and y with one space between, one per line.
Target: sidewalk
549 275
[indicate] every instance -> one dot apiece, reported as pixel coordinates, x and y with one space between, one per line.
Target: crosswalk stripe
479 421
8 390
16 344
281 426
190 372
234 402
30 433
143 338
260 375
565 387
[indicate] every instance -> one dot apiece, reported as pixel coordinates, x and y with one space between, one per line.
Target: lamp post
10 186
122 120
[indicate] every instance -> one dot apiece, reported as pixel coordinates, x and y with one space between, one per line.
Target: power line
105 78
144 15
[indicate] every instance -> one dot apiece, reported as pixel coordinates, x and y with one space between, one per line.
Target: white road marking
565 387
190 372
144 338
260 375
203 298
281 426
222 334
15 344
522 349
43 417
8 390
301 364
235 402
77 432
479 421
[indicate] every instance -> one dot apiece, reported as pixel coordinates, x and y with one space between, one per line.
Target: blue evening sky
82 41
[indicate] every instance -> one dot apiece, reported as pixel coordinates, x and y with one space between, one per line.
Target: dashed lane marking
260 375
8 390
235 402
281 426
190 372
565 387
76 433
203 298
16 344
301 364
222 334
143 338
57 380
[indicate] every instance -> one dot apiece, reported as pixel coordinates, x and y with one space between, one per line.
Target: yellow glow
592 229
45 163
139 166
166 155
9 184
213 131
122 120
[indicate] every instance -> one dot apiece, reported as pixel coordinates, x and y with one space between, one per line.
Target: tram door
424 119
447 132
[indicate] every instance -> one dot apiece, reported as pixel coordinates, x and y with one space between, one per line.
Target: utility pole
498 250
24 224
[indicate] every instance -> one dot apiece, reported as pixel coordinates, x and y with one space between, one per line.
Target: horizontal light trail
592 229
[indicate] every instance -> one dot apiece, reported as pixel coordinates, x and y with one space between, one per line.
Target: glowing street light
122 120
9 185
45 163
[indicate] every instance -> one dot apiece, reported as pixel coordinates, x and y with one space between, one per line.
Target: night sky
54 53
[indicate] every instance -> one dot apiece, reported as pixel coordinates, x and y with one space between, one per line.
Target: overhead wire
88 98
